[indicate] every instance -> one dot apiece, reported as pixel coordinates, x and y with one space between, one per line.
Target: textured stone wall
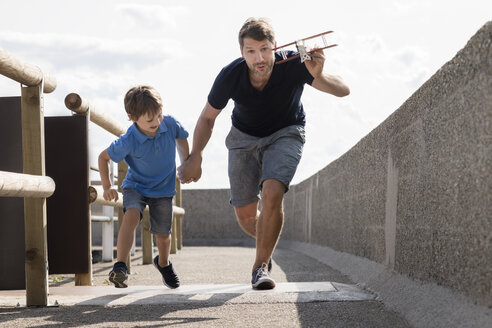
414 194
209 215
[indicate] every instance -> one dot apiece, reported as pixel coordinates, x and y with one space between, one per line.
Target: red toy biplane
304 53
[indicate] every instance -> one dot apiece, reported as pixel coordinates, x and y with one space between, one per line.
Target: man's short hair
142 99
257 29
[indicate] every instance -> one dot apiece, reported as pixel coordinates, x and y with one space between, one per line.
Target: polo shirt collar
142 137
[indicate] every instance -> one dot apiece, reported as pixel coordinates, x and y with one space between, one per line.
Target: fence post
179 218
173 249
34 208
122 169
108 226
85 279
147 240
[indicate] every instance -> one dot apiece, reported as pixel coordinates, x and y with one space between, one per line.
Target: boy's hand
110 194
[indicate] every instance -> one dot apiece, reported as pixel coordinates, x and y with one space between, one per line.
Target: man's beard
267 71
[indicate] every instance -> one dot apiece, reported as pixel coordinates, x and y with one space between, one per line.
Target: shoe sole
264 284
168 285
163 280
118 279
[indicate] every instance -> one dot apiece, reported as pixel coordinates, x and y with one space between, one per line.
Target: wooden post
122 169
179 218
147 240
108 227
34 208
174 229
85 279
179 231
173 236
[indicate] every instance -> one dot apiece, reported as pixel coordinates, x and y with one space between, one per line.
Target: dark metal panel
67 161
12 245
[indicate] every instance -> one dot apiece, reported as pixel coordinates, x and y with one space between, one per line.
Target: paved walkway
215 292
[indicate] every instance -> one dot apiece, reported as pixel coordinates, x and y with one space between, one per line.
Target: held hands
190 170
110 194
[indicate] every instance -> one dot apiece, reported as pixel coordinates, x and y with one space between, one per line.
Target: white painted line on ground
219 293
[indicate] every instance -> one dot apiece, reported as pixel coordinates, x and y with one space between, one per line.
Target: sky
99 49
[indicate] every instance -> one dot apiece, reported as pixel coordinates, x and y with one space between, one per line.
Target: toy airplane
302 49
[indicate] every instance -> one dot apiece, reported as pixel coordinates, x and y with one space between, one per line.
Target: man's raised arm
324 82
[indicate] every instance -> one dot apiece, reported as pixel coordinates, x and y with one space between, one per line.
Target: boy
149 148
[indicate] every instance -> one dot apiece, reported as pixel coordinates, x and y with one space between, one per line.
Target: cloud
372 67
100 69
411 66
402 8
152 16
72 51
371 44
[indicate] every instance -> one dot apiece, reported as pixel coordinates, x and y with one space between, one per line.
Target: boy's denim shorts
253 160
160 210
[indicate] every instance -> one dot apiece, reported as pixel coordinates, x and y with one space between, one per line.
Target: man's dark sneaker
119 275
261 279
169 277
270 266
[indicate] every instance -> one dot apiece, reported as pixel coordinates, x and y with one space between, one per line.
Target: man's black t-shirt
261 113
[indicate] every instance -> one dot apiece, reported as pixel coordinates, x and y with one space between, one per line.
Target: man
267 134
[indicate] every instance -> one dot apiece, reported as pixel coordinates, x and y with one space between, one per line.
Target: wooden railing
25 185
25 73
77 104
33 185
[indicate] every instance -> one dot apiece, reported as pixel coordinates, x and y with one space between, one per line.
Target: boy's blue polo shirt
261 113
151 160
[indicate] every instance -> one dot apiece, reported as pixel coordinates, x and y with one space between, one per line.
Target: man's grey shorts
253 160
160 210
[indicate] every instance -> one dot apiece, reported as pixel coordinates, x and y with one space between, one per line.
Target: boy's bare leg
163 246
270 221
131 219
169 276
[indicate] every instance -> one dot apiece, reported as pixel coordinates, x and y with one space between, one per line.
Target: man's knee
247 212
272 192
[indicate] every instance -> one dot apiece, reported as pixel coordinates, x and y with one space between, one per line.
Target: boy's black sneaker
119 275
169 277
261 279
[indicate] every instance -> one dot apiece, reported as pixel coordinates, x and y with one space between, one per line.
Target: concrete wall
414 194
209 216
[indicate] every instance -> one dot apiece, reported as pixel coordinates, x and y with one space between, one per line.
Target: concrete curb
421 304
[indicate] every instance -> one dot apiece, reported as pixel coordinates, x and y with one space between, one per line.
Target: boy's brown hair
142 99
257 29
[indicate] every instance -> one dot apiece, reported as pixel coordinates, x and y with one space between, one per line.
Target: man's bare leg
247 216
266 225
270 220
